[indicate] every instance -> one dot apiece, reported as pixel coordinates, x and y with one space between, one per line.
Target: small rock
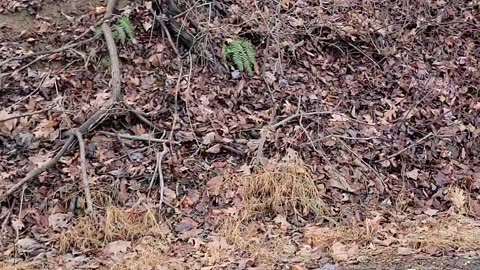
31 246
235 74
329 266
24 139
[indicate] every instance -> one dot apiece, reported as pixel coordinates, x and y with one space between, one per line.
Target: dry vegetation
363 116
116 224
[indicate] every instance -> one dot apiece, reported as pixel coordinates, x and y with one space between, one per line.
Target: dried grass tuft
150 253
456 232
282 188
117 224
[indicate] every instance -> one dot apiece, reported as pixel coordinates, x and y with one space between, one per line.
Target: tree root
96 119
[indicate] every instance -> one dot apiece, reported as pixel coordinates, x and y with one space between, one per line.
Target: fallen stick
263 138
24 115
33 174
138 138
406 148
160 173
66 47
69 45
96 118
83 164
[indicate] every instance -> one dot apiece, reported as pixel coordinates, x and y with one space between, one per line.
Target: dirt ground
353 144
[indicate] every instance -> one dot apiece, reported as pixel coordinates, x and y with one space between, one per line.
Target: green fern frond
225 52
241 52
124 30
121 35
238 55
126 25
249 51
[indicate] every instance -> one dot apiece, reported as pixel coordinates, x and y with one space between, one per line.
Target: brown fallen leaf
341 252
214 149
59 221
413 174
7 126
116 247
405 251
214 185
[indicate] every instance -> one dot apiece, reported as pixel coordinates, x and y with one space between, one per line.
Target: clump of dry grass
150 253
457 233
245 237
281 188
117 224
20 266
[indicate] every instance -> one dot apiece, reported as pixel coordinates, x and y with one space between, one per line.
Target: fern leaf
238 55
225 52
121 34
241 52
249 51
126 25
249 68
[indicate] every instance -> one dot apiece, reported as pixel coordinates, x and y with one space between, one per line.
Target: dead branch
64 48
95 118
160 173
408 147
69 45
263 137
83 162
33 174
291 117
164 27
24 115
138 138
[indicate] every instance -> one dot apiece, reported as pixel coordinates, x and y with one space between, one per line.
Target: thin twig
155 172
263 137
160 173
27 65
408 147
291 117
94 119
187 98
125 148
140 116
83 163
44 76
61 49
138 138
380 183
159 19
24 115
33 174
177 89
341 179
366 55
69 45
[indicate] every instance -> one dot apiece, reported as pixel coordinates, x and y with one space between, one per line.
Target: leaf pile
372 106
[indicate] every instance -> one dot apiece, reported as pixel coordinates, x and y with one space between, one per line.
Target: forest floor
354 144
